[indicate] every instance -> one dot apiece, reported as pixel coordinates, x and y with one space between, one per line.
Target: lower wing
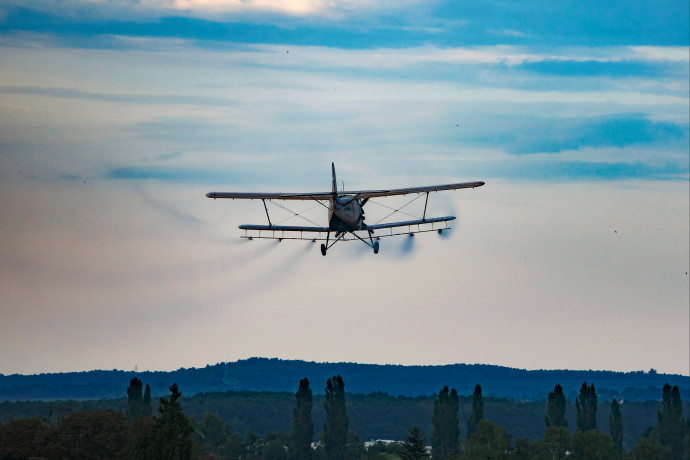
297 228
407 223
284 228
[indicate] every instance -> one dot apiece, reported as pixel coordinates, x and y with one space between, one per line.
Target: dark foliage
556 412
138 403
445 435
337 423
414 445
302 424
616 426
586 405
672 428
477 414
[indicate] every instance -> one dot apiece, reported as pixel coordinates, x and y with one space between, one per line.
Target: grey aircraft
345 215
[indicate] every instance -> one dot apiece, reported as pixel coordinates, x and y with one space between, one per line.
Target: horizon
119 116
650 371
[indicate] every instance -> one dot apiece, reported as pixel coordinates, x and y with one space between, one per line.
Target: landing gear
323 249
376 247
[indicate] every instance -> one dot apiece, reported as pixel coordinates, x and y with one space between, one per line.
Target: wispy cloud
558 134
155 99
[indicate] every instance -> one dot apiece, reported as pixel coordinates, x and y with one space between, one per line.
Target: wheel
376 247
323 249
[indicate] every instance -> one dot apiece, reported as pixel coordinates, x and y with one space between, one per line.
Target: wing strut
425 202
267 216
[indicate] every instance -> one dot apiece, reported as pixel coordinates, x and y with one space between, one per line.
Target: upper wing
405 191
328 195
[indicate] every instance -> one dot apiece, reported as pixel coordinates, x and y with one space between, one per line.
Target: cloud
143 99
538 134
361 23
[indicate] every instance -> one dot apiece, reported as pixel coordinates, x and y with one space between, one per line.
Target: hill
275 375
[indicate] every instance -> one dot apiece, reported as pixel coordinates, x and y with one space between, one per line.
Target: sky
118 116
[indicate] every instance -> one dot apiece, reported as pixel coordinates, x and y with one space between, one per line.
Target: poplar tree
586 405
477 414
445 436
302 425
672 427
336 426
616 426
556 411
135 402
147 412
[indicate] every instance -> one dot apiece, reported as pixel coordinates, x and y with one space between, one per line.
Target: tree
211 433
172 430
147 412
446 425
22 439
414 445
522 449
253 446
616 426
336 426
354 448
647 447
477 414
671 427
275 446
136 406
302 432
593 444
554 446
556 411
488 441
94 434
586 405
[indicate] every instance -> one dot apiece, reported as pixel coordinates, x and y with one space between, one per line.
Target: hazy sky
117 116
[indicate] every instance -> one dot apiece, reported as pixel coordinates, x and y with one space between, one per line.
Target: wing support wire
394 210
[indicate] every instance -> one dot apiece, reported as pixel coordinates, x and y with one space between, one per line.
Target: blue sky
118 116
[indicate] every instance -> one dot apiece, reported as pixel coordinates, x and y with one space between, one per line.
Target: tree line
135 433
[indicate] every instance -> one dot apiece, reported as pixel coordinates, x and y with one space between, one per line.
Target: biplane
345 215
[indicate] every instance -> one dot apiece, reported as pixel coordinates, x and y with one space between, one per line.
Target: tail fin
334 190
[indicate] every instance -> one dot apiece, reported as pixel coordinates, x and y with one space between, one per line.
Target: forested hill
261 374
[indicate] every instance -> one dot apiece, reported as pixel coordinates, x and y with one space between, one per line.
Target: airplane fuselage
345 213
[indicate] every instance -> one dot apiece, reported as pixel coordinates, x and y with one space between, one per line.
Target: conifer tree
586 405
336 426
556 411
302 425
445 436
172 430
414 445
616 426
477 414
